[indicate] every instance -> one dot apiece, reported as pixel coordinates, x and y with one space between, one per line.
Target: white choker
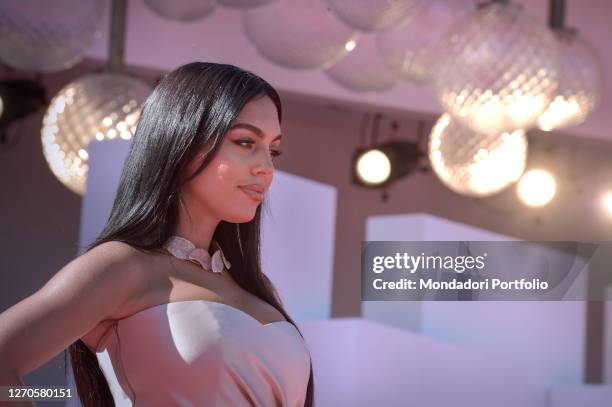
183 249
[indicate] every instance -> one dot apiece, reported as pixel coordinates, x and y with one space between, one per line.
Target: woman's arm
79 296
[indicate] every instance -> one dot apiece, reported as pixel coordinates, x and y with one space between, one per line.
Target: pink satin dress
203 353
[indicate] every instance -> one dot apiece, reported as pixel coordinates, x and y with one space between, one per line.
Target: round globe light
101 106
579 86
373 15
475 164
363 69
182 10
410 48
243 3
536 188
498 69
47 36
304 34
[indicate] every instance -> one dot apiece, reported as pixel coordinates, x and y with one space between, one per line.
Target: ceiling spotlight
380 165
373 167
536 187
18 98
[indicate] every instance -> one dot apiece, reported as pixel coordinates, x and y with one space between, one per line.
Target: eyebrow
254 129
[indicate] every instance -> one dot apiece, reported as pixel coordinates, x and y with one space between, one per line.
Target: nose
264 165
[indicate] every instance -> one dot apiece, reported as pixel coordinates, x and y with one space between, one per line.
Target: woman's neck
198 229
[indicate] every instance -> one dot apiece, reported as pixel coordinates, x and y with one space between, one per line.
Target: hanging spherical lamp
498 69
101 106
409 48
243 3
373 15
475 164
45 36
580 83
299 35
182 10
363 69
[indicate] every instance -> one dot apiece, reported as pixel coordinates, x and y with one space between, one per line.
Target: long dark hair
190 106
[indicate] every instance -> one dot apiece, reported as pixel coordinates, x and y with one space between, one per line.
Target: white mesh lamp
243 3
498 69
182 10
373 15
581 79
298 34
475 164
409 48
45 36
363 69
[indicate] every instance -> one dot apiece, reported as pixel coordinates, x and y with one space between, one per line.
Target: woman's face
232 185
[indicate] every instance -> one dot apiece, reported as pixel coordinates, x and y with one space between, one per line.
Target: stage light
536 187
606 202
18 98
382 164
373 167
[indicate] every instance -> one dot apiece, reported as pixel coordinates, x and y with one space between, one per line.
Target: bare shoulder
130 270
83 294
113 263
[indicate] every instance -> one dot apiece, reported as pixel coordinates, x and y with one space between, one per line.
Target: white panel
362 363
416 227
544 339
583 396
298 233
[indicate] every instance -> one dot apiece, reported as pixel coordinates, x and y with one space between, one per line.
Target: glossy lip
254 187
252 193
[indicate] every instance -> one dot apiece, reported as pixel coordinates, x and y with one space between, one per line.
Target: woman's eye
248 143
244 143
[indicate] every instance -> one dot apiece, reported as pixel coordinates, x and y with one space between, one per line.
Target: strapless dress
203 353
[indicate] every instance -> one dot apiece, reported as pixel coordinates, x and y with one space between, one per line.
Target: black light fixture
19 98
380 164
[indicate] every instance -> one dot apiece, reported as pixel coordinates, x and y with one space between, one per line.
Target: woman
172 291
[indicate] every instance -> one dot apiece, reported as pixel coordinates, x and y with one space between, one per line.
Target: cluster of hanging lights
498 73
495 71
501 73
